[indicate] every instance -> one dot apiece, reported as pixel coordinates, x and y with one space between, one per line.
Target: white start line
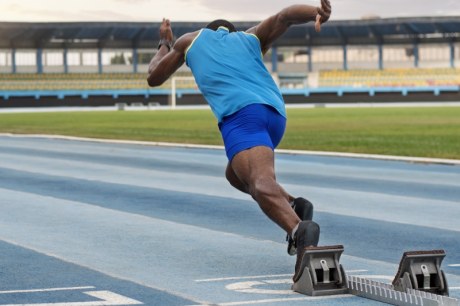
104 297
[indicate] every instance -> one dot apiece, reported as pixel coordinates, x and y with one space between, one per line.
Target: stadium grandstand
400 59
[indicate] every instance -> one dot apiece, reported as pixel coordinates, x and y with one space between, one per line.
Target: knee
229 176
263 187
235 181
231 180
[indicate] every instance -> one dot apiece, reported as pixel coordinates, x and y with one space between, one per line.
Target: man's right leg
233 179
302 207
254 167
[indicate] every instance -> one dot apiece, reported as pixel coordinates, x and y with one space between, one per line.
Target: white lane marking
214 147
279 281
108 299
240 277
260 286
266 301
258 276
114 275
454 265
46 290
248 287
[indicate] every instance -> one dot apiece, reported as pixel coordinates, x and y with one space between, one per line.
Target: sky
206 10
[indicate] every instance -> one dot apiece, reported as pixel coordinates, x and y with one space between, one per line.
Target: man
229 70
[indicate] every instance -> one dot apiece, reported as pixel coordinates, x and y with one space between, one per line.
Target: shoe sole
304 210
312 233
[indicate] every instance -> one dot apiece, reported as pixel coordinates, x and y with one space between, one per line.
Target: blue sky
204 10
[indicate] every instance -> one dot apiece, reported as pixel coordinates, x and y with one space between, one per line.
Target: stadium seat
390 78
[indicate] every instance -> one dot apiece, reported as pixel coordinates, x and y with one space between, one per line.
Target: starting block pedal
421 270
322 274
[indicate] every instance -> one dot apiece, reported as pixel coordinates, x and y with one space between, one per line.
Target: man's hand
166 31
324 12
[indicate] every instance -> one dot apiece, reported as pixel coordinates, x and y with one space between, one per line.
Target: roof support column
274 59
380 56
65 61
345 57
39 60
135 60
310 58
13 60
416 55
99 60
452 54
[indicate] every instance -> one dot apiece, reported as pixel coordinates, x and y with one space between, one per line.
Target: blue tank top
229 70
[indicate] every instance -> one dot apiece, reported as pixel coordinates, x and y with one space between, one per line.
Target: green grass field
420 132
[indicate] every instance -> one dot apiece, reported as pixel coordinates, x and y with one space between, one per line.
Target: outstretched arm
169 57
273 27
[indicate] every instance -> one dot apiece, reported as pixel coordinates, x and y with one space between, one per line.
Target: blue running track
87 223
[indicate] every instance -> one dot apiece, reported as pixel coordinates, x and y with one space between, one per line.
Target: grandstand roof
145 35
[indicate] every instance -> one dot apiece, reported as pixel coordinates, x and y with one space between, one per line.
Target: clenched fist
166 31
324 12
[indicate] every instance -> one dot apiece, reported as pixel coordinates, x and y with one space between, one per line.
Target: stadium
117 193
94 64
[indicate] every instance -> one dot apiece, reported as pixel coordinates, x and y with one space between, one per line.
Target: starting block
421 270
322 274
419 280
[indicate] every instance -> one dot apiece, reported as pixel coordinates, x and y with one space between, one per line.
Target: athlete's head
214 25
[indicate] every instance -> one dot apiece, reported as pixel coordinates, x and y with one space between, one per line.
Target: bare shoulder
265 26
183 42
251 30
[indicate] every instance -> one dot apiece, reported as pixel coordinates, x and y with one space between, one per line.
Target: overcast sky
206 10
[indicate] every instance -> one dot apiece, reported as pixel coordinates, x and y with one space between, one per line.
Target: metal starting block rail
419 280
387 294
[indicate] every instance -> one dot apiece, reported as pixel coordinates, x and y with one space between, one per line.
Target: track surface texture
88 223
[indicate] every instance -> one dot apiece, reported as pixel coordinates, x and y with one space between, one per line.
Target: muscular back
230 72
166 61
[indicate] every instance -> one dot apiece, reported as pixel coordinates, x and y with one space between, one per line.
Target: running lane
161 226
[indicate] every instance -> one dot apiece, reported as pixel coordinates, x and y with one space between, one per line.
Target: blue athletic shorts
251 126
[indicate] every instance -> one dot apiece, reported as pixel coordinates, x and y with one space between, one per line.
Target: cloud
83 15
242 9
132 1
205 10
342 9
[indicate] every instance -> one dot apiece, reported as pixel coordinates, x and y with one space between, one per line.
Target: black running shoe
304 210
307 235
